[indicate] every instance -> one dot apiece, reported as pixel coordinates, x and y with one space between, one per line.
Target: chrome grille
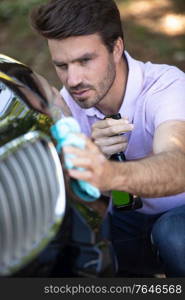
32 199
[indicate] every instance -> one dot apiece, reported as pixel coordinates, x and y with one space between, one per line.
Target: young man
100 78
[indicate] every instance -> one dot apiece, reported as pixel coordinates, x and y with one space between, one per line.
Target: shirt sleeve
167 102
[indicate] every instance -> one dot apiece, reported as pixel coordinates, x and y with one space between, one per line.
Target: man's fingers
109 150
111 140
82 162
111 131
74 150
94 166
91 146
85 175
109 123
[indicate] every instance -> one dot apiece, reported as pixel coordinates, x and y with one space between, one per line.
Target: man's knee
168 236
169 232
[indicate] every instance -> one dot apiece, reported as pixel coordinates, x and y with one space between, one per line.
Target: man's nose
74 77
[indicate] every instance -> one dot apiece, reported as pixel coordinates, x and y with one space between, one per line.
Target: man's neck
114 99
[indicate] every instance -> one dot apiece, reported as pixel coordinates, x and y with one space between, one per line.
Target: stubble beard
101 90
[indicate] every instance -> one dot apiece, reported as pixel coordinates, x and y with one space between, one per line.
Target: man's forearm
156 176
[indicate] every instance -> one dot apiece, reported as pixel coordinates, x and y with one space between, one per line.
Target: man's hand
97 169
159 175
108 135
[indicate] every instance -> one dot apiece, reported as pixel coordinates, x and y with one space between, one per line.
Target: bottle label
120 198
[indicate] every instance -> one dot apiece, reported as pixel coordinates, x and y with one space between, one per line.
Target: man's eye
84 61
62 67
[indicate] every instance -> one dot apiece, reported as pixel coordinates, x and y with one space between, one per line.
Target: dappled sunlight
156 15
141 8
169 24
173 24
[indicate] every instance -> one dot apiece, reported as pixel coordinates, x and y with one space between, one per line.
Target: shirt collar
133 89
93 111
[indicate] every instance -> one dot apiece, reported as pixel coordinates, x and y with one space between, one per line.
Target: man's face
85 67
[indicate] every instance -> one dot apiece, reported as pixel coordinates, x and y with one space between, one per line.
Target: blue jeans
148 244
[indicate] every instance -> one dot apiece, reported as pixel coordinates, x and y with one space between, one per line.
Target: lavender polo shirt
154 94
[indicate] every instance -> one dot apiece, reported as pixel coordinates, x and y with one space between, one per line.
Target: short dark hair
60 19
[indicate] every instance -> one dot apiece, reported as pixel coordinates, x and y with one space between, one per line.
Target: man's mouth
80 93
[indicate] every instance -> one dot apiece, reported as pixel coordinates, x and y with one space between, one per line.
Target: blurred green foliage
12 9
19 41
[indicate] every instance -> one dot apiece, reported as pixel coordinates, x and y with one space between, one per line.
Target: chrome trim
61 206
28 246
5 58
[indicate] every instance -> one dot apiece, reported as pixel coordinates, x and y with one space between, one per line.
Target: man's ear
118 50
